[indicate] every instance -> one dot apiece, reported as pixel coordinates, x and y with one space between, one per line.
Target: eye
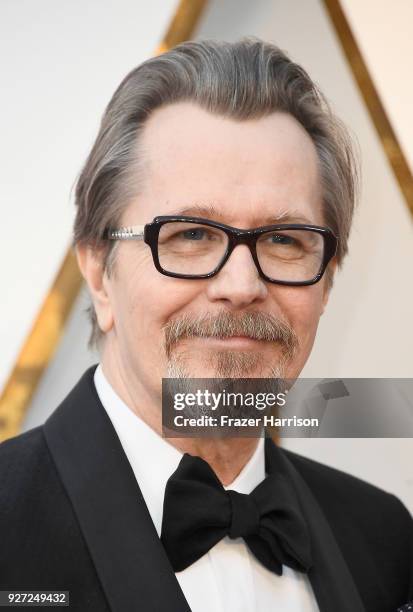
194 234
282 239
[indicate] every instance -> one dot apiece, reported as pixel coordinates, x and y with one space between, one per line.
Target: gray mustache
255 325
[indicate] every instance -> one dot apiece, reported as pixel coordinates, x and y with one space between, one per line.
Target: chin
226 364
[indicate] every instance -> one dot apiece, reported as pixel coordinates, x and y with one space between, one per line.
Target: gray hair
247 79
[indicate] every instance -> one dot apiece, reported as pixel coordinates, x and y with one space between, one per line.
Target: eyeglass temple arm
135 232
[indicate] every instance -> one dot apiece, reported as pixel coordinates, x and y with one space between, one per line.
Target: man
196 147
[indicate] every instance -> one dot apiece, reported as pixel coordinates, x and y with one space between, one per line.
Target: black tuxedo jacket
72 517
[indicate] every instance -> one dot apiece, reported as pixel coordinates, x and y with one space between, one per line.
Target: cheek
152 299
302 306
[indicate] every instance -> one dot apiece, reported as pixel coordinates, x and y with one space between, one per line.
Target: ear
332 267
90 262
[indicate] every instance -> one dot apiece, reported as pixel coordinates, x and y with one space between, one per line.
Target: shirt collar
153 459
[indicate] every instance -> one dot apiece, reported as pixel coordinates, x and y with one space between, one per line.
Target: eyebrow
210 212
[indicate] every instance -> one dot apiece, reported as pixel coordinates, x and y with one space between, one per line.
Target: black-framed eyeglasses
195 248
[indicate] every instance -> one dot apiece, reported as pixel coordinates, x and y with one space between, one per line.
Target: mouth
245 342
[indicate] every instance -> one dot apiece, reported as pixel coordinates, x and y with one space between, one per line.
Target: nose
238 283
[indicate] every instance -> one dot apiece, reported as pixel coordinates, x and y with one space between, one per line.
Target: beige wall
383 31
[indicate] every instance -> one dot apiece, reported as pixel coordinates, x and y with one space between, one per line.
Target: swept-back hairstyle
243 80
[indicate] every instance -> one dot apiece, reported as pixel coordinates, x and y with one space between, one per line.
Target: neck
226 456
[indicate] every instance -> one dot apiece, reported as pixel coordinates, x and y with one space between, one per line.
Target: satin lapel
130 561
332 583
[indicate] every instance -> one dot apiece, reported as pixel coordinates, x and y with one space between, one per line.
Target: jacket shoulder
22 448
24 460
343 490
28 452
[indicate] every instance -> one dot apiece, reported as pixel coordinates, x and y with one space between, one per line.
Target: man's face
242 173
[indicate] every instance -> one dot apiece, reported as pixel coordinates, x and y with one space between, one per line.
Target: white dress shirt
228 578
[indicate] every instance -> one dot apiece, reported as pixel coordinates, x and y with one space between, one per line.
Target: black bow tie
198 512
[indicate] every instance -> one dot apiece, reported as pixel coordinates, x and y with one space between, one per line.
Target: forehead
239 172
